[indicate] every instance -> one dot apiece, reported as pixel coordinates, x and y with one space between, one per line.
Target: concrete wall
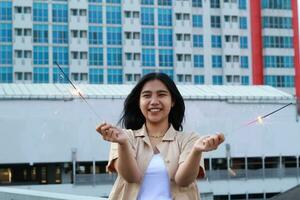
34 131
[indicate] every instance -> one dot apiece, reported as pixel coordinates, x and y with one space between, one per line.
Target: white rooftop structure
200 92
44 124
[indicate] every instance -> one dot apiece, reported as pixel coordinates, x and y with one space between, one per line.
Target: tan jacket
174 149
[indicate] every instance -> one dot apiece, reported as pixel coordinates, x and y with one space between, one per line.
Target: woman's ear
173 104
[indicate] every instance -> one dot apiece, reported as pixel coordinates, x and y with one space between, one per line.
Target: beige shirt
174 149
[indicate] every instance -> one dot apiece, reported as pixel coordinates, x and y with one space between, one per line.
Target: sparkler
77 91
260 119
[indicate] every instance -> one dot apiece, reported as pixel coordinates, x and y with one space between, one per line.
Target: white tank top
156 184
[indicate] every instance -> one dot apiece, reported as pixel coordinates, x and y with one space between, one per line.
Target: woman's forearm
126 164
189 169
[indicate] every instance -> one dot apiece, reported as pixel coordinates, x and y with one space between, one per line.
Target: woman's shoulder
184 136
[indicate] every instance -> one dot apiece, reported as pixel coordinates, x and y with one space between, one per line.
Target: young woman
153 158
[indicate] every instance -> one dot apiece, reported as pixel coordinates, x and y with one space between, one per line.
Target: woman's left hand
209 143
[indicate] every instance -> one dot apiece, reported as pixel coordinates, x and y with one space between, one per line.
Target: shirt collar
169 136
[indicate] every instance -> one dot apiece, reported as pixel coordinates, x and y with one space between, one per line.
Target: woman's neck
157 129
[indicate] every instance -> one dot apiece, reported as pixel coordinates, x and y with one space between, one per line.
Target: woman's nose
154 100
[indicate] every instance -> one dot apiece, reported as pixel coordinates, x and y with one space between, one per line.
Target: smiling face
155 102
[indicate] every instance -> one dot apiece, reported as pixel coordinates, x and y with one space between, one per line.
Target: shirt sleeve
186 147
113 153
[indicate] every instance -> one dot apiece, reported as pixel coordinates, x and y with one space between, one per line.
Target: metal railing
253 174
95 179
210 174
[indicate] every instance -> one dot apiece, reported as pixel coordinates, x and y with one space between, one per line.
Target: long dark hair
132 117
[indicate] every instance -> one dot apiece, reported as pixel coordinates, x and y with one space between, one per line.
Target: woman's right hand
112 134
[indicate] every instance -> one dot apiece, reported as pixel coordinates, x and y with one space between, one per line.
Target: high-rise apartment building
230 42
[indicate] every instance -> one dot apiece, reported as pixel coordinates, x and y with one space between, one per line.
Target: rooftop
90 91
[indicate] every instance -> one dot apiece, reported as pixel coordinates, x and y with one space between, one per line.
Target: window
279 81
113 15
148 36
197 41
40 55
199 79
40 75
96 56
60 34
215 3
243 22
18 9
95 14
245 80
27 32
244 62
58 76
147 16
40 12
114 35
180 78
242 4
147 2
276 4
147 71
278 61
243 42
96 76
5 32
197 3
164 17
166 57
114 76
278 42
5 54
113 1
18 53
148 57
114 56
95 35
169 72
40 33
5 10
197 21
216 41
61 55
217 80
216 61
164 2
198 61
215 21
6 73
60 13
277 22
165 37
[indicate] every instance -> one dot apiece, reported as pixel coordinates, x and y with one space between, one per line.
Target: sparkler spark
259 120
77 91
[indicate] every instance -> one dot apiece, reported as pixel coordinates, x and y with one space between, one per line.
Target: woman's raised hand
111 133
209 143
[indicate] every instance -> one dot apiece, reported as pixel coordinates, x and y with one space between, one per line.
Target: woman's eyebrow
157 91
146 91
162 91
